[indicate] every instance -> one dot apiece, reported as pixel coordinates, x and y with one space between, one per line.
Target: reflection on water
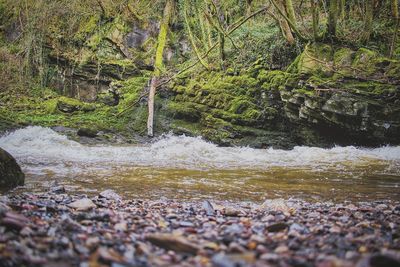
190 168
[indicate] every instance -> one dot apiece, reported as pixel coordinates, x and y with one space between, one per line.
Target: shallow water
182 167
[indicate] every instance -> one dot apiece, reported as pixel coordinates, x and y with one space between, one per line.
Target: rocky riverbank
62 229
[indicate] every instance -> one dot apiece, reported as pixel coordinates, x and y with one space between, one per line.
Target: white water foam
38 145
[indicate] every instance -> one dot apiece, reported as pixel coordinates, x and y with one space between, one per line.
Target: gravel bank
62 229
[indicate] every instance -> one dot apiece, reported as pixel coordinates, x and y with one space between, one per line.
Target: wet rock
208 207
230 211
13 220
87 132
92 241
297 228
109 255
276 227
233 260
11 174
378 260
110 195
281 249
234 229
186 224
82 204
269 257
121 226
3 209
236 248
172 242
57 189
275 205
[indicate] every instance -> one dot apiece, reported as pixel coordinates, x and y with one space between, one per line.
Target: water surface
183 167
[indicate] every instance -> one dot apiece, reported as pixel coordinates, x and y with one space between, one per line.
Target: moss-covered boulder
11 174
69 105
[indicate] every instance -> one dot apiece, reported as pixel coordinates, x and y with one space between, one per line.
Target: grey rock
11 174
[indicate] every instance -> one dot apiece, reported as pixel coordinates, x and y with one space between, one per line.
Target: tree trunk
342 10
222 50
332 18
395 9
191 37
158 63
396 17
369 14
286 31
221 36
315 19
283 23
290 12
150 103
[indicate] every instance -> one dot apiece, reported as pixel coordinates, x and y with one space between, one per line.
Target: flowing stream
183 167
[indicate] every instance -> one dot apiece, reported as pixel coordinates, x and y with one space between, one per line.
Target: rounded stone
11 174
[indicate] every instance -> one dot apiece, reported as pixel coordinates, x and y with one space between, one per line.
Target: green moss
124 63
138 120
251 115
343 57
305 92
162 38
220 137
130 90
369 88
314 59
364 61
69 105
50 106
394 70
240 105
87 27
186 111
293 67
273 80
99 40
185 127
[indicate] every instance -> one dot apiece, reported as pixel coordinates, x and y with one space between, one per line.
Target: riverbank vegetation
226 70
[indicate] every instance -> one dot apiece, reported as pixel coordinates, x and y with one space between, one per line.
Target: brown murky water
189 169
358 184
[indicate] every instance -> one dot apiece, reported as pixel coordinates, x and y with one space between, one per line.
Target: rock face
327 96
10 172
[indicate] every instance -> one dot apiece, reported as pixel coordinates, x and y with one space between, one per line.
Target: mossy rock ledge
11 174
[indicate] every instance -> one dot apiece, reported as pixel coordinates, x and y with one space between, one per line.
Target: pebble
50 227
276 227
208 207
110 195
281 249
82 204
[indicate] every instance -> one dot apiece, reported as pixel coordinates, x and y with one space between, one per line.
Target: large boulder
10 172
